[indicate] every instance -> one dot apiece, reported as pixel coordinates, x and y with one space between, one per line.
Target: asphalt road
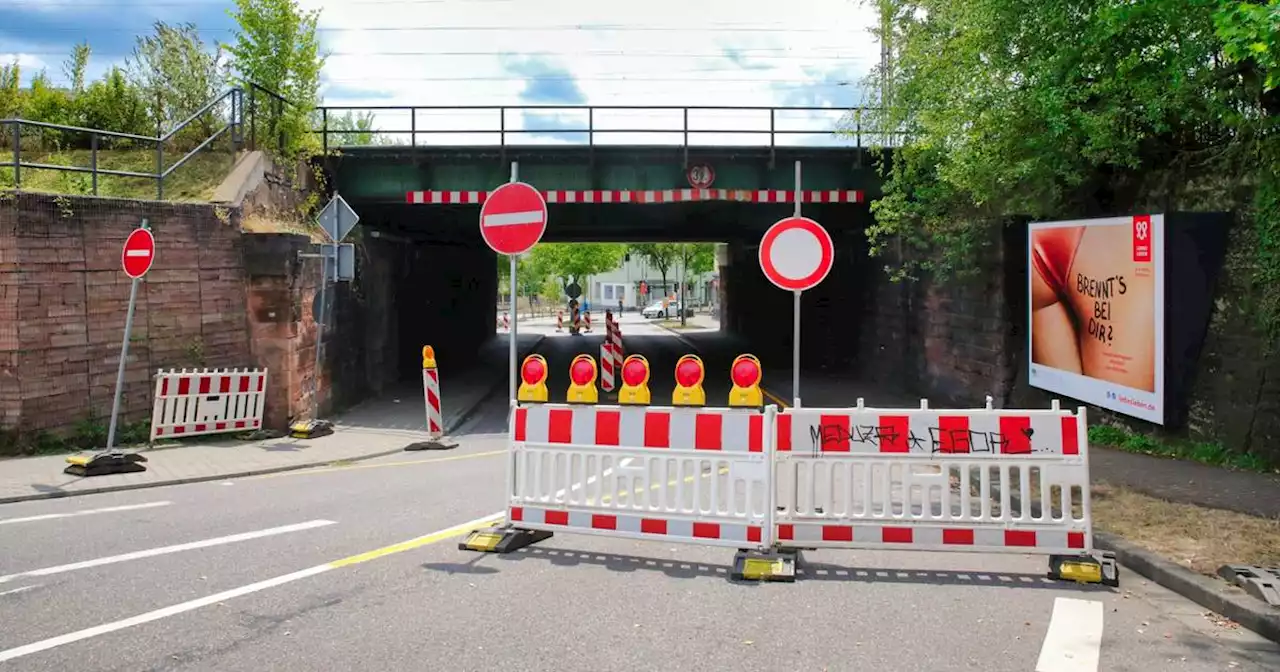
319 578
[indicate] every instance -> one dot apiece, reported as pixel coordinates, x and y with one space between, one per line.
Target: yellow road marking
775 398
456 530
402 463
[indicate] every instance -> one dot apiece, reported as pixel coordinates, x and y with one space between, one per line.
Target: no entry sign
513 218
796 254
139 253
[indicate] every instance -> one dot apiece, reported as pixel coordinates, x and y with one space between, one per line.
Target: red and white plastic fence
194 403
697 475
1014 481
431 393
941 480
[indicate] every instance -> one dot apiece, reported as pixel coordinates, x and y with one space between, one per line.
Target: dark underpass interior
426 276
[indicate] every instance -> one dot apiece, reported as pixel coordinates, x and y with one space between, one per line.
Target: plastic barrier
1002 481
431 392
559 321
672 474
772 484
607 366
193 403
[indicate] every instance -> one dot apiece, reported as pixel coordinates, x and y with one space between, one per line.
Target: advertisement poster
1097 312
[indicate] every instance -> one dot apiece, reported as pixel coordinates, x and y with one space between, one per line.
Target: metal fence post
17 154
413 127
686 137
160 168
324 129
93 160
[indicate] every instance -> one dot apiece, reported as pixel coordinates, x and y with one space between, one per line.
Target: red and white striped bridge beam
650 196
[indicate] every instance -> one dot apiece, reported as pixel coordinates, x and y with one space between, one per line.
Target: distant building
623 283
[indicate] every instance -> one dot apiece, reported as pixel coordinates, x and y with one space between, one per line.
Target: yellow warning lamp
582 380
746 374
533 379
689 375
428 357
635 381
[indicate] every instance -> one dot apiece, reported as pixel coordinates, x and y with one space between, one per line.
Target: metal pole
315 372
124 356
515 314
795 334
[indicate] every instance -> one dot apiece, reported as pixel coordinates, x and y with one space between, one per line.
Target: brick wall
63 301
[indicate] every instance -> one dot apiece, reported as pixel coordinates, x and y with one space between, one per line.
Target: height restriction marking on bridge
513 218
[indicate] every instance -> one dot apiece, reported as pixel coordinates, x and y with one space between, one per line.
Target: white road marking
513 218
21 590
61 640
164 550
86 512
1073 642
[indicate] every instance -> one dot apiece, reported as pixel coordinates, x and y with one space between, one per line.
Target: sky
730 53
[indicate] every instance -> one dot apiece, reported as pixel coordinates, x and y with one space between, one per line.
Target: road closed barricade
698 475
981 480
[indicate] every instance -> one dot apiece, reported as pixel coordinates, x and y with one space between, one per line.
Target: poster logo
1142 239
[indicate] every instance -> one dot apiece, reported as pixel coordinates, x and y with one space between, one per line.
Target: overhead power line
762 53
603 27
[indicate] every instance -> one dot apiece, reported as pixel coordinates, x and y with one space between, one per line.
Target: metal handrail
853 115
234 126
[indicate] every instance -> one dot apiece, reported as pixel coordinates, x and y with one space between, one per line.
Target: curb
458 422
1208 593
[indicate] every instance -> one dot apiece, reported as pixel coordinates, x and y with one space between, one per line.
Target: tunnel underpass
433 276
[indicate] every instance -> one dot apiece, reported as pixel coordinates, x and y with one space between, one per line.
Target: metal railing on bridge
599 125
225 115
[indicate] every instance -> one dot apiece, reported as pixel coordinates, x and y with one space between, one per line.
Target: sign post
337 219
136 258
796 254
512 220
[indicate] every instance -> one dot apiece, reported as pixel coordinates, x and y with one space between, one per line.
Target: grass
675 324
1195 537
194 181
88 434
1195 451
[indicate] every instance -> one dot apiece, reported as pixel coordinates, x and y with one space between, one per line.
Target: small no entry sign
139 253
796 254
513 218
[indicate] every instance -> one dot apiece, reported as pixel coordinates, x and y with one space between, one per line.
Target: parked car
656 310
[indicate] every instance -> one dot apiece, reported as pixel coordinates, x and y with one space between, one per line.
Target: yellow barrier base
310 429
102 464
501 539
1085 569
771 565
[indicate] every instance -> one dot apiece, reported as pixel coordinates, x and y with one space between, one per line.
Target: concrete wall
63 300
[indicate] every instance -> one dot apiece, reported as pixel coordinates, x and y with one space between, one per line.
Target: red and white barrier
608 367
614 338
697 475
431 393
941 480
194 403
560 321
505 323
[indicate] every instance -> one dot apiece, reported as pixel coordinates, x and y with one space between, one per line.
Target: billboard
1097 322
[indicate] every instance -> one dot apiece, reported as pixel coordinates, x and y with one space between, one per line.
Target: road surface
355 567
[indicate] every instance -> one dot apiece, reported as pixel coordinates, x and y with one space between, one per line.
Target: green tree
177 74
276 47
113 104
573 262
1070 108
11 98
74 66
661 256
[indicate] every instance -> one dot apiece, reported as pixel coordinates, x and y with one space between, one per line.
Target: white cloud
27 62
733 53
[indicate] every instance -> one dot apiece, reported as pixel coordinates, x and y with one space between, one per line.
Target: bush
113 104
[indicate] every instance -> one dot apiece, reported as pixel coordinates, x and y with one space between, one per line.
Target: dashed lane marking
165 550
86 512
158 614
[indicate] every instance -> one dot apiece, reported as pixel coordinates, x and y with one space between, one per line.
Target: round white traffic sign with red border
796 254
513 218
139 253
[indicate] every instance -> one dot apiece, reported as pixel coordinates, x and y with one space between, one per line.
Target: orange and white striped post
431 394
559 321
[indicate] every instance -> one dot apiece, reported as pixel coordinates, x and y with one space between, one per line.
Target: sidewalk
372 429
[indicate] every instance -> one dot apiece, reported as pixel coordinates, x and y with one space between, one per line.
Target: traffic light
746 374
689 375
635 381
533 379
582 380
